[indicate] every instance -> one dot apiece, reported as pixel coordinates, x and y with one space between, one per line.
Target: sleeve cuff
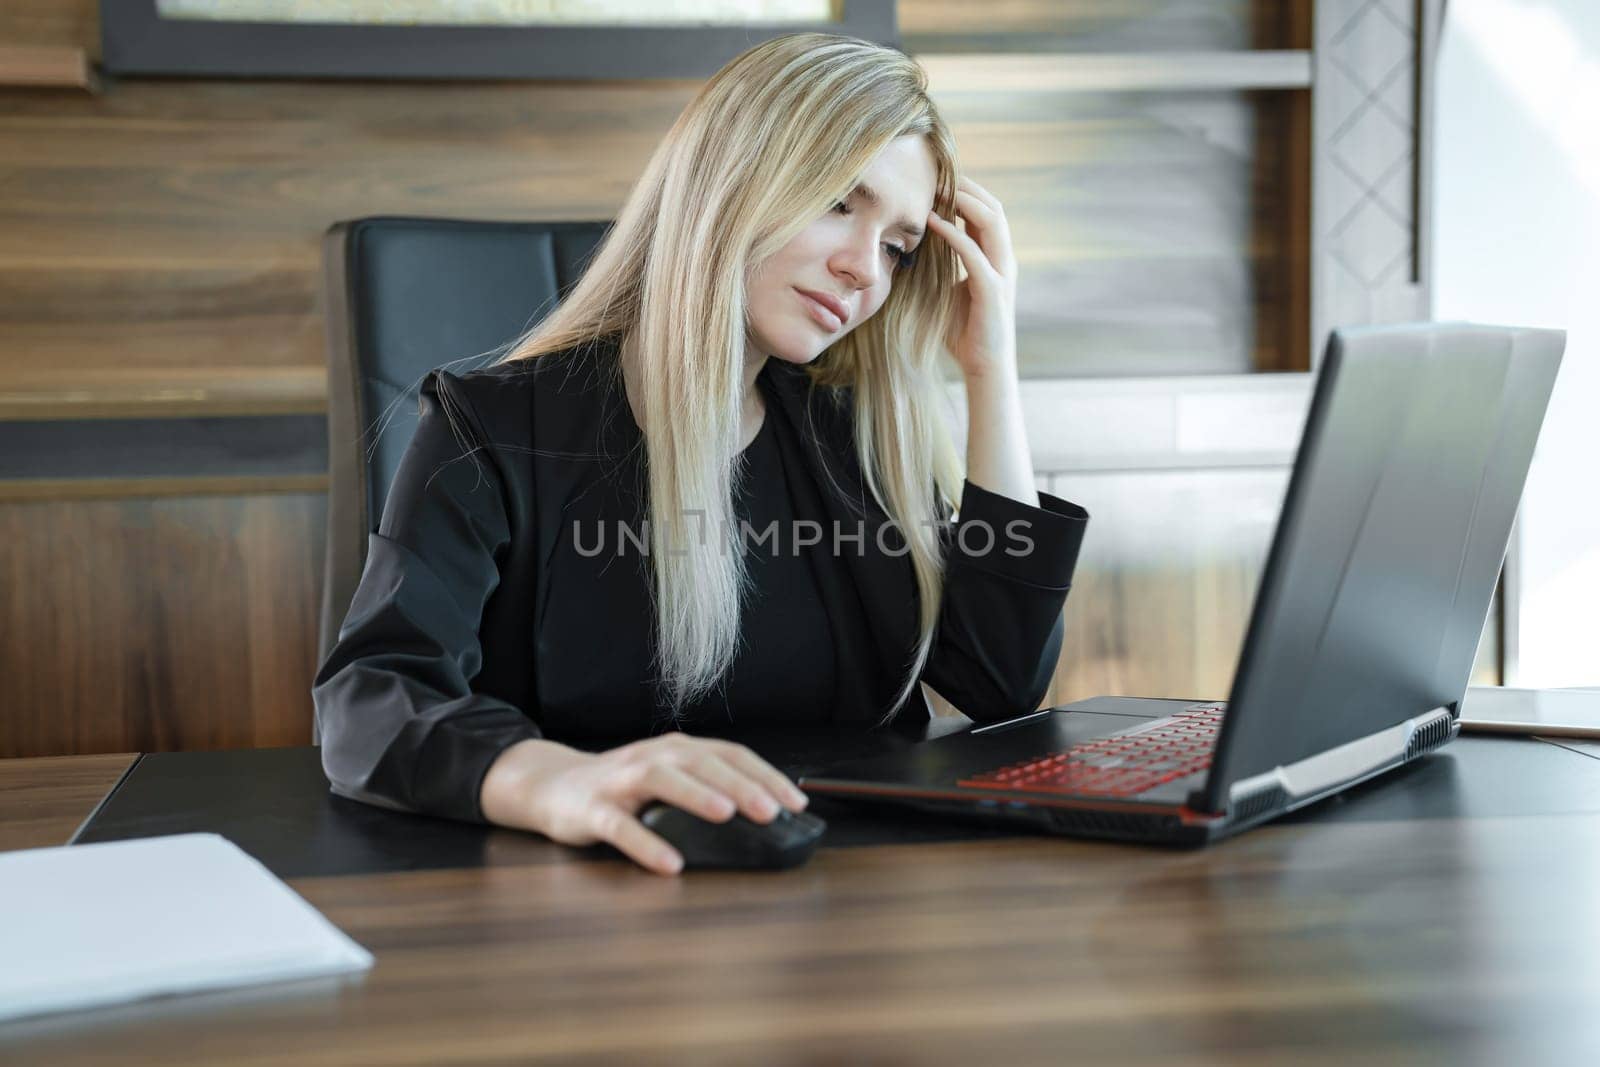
1037 545
454 762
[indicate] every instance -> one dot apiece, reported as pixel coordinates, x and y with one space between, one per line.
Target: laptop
1361 641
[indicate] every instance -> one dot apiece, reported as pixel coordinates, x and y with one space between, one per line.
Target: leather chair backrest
405 296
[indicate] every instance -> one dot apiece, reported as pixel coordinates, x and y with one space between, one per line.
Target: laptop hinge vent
1250 805
1431 735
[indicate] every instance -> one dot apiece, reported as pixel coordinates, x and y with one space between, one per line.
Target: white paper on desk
86 925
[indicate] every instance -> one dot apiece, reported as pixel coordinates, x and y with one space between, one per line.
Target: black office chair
404 296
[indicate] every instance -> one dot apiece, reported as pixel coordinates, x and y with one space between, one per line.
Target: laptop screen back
1391 538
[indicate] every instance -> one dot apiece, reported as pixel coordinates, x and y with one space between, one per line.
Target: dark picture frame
135 40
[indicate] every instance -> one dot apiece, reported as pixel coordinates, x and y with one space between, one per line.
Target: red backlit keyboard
1120 765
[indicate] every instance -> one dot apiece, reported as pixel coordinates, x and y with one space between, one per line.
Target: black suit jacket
476 624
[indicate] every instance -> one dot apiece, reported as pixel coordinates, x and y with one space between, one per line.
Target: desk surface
1446 916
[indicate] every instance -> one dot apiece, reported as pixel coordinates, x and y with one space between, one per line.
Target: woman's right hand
579 798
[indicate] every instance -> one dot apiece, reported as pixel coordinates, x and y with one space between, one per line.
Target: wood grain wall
1167 579
159 623
165 233
162 235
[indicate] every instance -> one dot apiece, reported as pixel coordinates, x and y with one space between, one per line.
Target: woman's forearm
997 441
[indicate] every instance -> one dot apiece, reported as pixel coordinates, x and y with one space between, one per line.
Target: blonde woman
714 489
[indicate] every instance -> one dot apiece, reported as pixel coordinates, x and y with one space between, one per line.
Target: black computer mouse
787 841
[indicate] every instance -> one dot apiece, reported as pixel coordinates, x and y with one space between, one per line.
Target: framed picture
462 39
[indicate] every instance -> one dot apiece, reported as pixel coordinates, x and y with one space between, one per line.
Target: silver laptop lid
1389 545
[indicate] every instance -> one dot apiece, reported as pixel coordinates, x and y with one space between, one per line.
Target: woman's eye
901 257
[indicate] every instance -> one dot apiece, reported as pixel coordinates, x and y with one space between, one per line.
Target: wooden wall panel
158 624
52 22
170 227
175 225
1156 232
1167 580
1147 227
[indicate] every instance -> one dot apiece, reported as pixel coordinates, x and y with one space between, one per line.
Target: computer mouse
787 841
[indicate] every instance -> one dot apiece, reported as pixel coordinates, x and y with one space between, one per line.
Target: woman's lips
824 317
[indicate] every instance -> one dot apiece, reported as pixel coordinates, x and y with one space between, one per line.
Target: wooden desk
1383 929
42 801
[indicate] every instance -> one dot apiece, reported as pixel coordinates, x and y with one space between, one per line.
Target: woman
713 489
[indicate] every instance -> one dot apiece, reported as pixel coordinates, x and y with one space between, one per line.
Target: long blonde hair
769 143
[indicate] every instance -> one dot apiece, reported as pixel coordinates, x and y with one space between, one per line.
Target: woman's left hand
983 327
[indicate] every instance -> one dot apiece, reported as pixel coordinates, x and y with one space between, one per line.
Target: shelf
1198 422
198 392
46 67
1115 72
34 490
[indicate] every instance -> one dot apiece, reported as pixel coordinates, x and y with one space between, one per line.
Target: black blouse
783 673
501 601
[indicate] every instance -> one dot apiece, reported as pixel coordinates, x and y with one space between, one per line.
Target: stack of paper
87 925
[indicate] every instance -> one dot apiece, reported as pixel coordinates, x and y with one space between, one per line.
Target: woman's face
851 254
